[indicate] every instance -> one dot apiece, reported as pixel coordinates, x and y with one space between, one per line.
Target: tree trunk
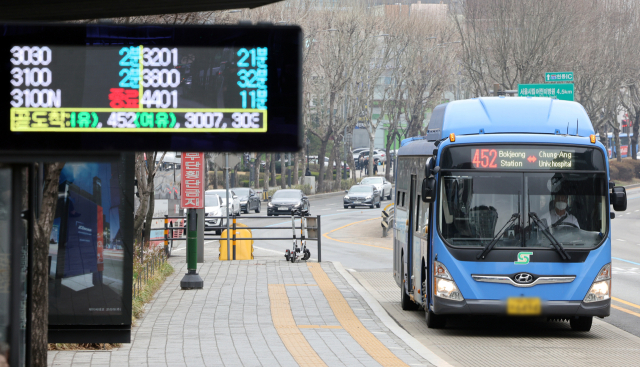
372 140
296 167
40 283
634 139
256 172
140 214
274 181
332 158
321 168
339 167
350 161
149 217
616 135
265 184
283 181
387 149
215 176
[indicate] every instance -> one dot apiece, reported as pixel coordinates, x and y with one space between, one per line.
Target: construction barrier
388 215
240 249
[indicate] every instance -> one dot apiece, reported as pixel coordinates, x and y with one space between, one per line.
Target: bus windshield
476 206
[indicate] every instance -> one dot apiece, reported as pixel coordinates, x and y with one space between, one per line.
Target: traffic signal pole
192 280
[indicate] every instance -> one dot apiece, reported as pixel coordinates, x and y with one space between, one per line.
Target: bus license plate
524 306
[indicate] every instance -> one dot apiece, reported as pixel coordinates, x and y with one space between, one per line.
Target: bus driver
558 213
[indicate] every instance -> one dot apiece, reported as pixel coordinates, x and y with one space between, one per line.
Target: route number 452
485 158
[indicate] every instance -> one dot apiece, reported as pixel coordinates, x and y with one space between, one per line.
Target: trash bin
243 249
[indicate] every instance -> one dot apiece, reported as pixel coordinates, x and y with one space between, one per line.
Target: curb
388 321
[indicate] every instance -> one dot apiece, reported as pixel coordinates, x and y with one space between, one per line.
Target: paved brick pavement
231 322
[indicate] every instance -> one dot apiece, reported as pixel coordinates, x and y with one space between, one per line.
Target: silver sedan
381 184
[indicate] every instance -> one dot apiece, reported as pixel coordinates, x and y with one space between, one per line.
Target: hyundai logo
523 278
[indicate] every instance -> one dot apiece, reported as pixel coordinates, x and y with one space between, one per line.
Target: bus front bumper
443 306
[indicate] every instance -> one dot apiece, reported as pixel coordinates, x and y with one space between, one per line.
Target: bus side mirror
429 166
618 198
428 189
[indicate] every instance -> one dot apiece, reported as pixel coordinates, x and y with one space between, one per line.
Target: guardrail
388 216
313 230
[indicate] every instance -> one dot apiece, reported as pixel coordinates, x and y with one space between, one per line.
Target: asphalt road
625 251
625 312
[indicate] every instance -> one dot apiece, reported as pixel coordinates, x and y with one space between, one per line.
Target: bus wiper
495 239
545 231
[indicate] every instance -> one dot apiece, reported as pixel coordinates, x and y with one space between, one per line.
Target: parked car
326 163
381 184
356 152
362 195
378 155
283 202
234 205
213 207
248 199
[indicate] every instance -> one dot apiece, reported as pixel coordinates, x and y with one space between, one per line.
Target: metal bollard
319 241
234 237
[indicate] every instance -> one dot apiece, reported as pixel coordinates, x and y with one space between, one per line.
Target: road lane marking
350 322
288 330
625 302
620 240
627 261
625 310
326 235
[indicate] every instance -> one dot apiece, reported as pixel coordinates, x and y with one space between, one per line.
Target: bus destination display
513 158
138 89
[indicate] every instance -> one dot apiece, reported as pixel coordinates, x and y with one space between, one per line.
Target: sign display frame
564 92
230 88
561 76
525 157
102 276
193 180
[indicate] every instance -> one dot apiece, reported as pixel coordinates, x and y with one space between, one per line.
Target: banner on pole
193 181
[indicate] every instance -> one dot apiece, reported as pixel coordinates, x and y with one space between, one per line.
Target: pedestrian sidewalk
262 312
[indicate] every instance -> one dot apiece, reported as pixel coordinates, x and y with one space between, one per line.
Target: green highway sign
565 76
557 91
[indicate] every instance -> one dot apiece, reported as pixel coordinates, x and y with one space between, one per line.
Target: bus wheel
435 321
581 323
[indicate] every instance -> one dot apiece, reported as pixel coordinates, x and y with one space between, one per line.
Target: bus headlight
601 288
445 286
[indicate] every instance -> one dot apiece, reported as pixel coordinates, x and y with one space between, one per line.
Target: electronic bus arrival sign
83 87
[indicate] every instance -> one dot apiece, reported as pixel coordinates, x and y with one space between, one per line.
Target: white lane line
621 240
342 210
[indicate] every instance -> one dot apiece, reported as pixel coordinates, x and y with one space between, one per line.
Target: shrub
626 169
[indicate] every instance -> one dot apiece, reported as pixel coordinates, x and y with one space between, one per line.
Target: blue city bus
504 209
